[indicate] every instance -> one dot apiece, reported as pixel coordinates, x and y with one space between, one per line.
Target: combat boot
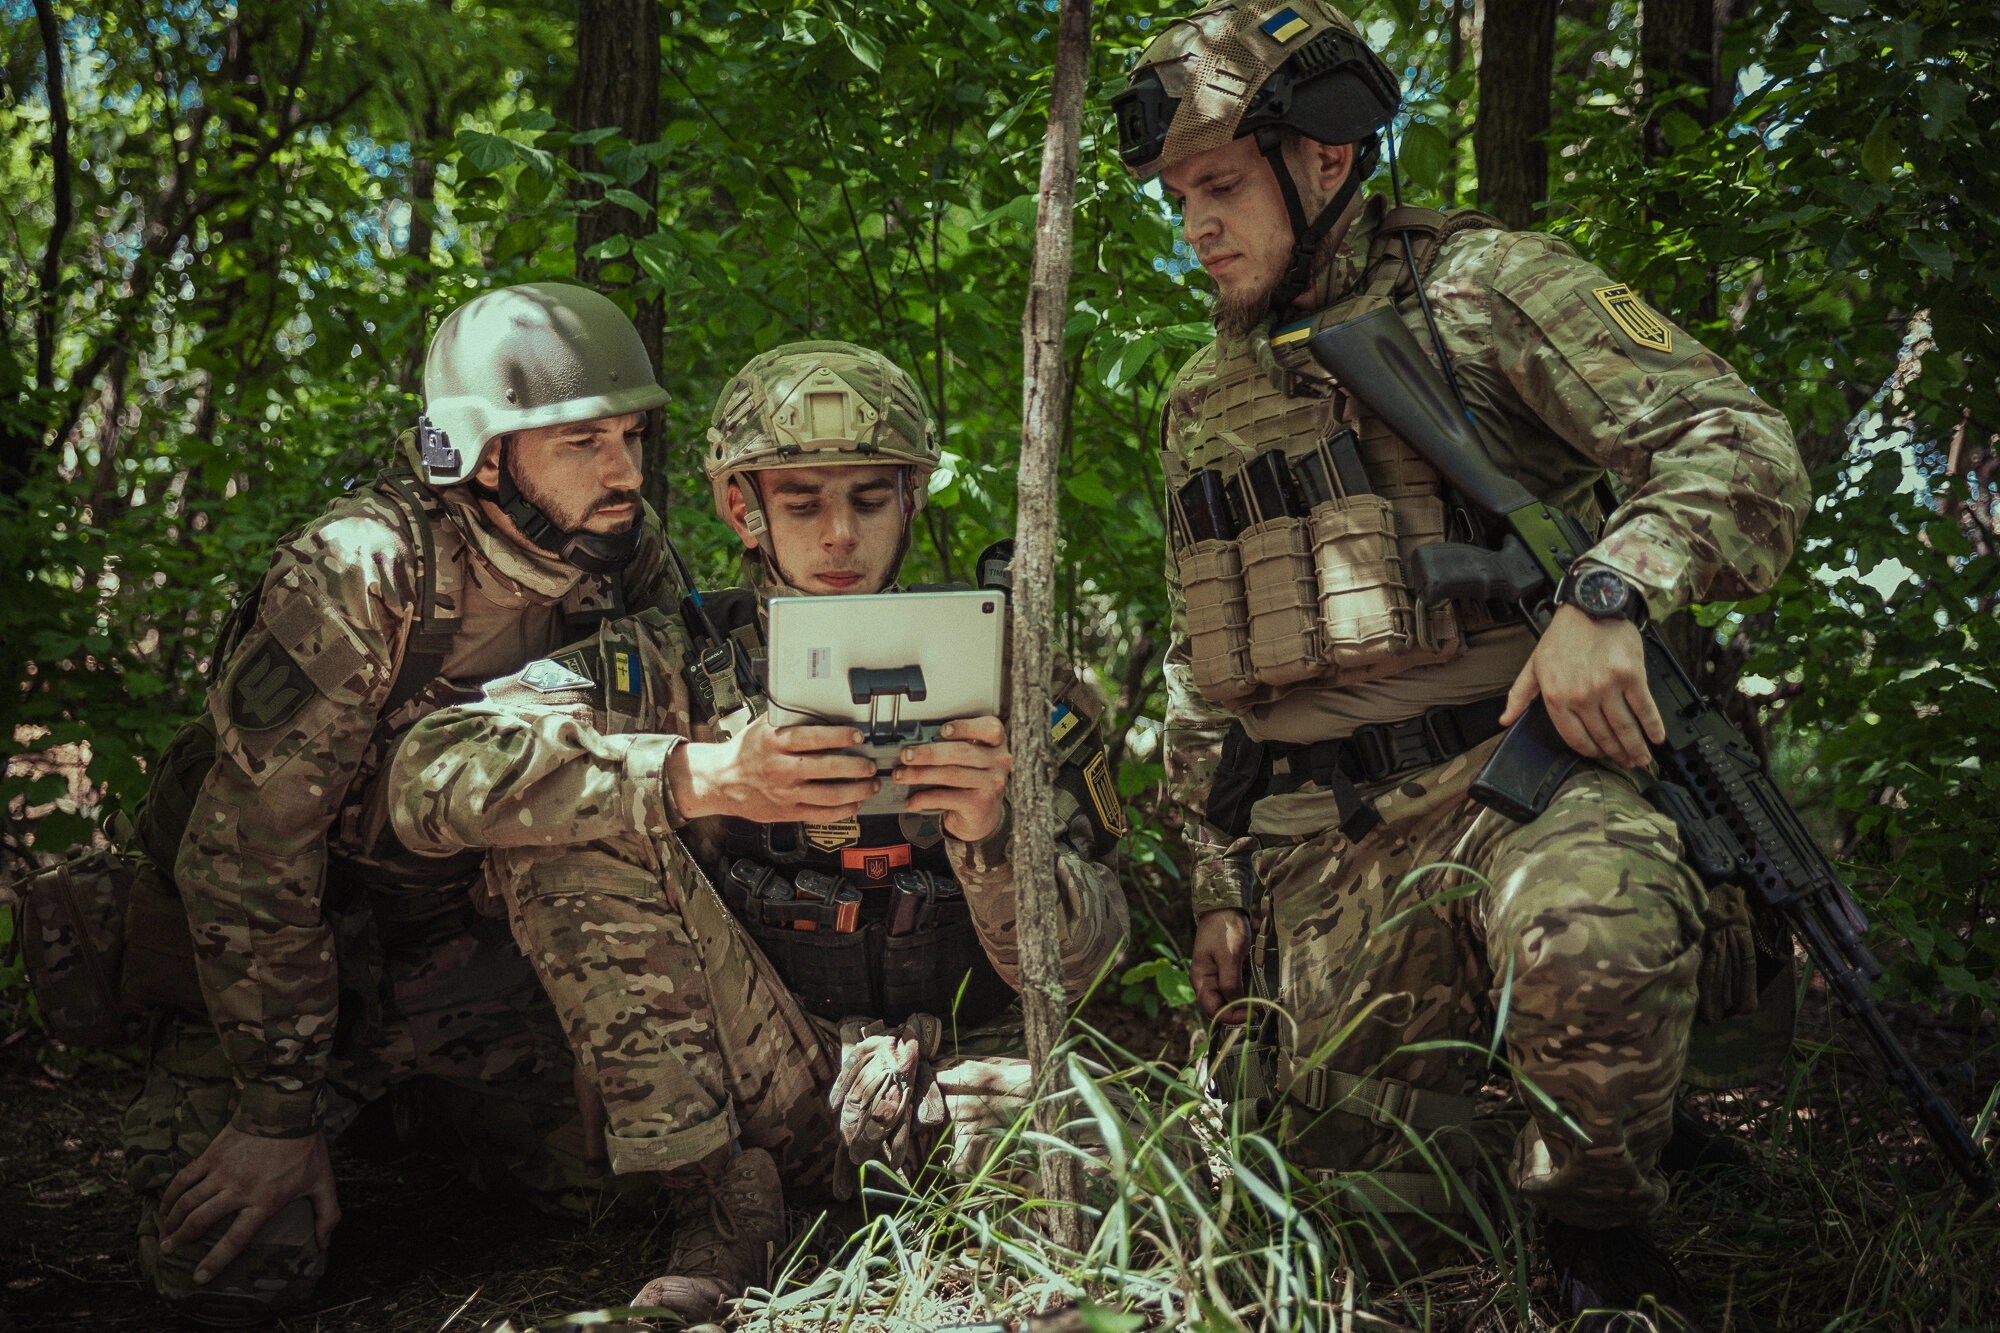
1615 1280
729 1222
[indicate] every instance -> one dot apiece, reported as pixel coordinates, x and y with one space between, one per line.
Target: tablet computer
896 665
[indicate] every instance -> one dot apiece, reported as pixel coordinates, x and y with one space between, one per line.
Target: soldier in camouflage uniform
640 810
334 963
1324 726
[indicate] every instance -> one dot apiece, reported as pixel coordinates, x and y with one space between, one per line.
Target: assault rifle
1737 826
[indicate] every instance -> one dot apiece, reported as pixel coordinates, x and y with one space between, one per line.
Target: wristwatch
1602 595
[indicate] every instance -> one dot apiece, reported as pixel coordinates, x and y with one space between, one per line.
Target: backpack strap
1426 230
429 641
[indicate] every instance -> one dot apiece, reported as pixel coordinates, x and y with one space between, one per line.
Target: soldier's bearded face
831 529
583 476
1233 215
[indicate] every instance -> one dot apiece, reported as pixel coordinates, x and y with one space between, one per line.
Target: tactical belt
1251 770
1383 1101
1393 1191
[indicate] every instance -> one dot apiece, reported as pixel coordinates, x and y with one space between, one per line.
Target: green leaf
1680 128
626 199
1131 359
1100 1320
661 259
593 136
864 45
487 152
1424 154
1090 488
1933 253
1020 209
805 28
1879 154
611 247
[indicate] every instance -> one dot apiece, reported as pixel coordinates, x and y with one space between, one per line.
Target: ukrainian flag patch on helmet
1284 25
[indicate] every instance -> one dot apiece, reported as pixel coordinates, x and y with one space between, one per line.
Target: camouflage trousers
1583 928
461 1025
691 1037
690 1034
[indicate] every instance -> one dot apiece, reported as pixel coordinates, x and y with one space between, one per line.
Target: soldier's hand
253 1178
1221 947
1593 675
774 775
963 774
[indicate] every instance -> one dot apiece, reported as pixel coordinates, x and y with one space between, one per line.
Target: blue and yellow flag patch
1284 25
1062 721
625 673
1292 333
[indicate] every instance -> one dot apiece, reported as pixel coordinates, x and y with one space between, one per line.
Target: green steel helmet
540 354
814 404
1237 70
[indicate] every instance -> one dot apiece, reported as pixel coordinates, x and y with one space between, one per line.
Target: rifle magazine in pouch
942 970
1364 605
1282 596
1218 619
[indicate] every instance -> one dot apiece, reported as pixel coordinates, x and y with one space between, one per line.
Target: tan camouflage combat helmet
814 404
1261 68
540 354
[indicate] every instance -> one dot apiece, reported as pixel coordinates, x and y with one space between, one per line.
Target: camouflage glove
879 1085
979 1099
1727 982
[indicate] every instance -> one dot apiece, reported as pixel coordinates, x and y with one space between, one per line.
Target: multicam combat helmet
540 354
1260 68
815 404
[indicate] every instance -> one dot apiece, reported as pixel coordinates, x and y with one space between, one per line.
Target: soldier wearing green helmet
332 963
757 975
1325 722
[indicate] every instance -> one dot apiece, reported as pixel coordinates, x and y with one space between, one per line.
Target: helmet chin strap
1306 236
591 552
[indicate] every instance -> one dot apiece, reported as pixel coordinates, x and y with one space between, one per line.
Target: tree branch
48 310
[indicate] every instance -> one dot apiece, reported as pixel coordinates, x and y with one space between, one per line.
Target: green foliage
274 204
1835 238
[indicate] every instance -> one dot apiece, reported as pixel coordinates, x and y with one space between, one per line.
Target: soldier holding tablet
707 896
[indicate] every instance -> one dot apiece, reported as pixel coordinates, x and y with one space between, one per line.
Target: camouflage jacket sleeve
552 755
1714 489
294 707
1091 820
1195 727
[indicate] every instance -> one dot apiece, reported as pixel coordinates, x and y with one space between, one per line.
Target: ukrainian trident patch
1631 314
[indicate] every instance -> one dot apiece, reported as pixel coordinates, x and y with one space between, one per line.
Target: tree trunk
423 212
1516 69
1680 44
1033 796
618 83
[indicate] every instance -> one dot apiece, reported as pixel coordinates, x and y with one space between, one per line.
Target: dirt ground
416 1249
417 1252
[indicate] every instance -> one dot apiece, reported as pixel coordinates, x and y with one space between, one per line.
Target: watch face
1602 594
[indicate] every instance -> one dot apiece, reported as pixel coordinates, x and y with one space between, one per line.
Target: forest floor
1839 1227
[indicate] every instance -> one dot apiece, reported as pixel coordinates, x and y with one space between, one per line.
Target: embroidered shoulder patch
269 690
549 677
1104 795
1631 314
